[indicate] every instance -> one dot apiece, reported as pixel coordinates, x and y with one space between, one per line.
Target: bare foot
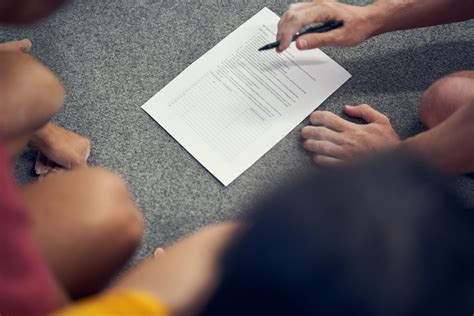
23 46
44 166
333 140
62 147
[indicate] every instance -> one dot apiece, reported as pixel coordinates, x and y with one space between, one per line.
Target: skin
445 109
101 222
184 276
90 206
361 23
333 140
59 148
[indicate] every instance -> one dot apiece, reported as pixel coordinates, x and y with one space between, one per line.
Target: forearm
392 15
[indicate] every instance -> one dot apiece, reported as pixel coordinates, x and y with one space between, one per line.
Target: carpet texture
112 56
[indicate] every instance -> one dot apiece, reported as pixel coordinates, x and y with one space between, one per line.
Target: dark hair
382 238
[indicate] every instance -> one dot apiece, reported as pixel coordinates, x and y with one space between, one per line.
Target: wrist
379 14
376 15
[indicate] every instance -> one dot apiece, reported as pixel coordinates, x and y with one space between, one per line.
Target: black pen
321 28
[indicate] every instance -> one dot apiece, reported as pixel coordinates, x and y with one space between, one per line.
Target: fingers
364 111
329 120
322 133
322 147
296 17
326 161
316 40
23 46
324 144
358 24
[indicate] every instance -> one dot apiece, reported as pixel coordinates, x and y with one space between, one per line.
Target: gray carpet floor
112 56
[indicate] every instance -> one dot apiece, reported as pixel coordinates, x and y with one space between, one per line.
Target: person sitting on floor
446 109
385 237
66 236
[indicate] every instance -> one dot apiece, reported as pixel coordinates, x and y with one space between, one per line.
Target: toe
25 45
158 252
42 165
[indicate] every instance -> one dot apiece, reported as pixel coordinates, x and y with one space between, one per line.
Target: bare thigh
86 226
446 96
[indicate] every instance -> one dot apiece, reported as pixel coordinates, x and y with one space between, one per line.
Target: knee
445 96
31 93
117 219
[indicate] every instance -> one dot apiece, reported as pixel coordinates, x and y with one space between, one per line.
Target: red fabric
26 286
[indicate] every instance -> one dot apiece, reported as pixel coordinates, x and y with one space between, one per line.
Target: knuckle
289 12
292 16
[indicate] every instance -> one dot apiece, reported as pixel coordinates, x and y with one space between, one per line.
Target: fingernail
303 44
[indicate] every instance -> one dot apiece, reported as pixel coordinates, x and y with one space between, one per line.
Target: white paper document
233 104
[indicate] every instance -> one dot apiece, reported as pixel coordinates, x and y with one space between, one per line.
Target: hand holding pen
357 26
320 28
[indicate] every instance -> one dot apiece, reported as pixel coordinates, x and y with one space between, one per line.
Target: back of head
383 238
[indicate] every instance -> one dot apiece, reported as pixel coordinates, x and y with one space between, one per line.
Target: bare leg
30 95
65 148
86 226
447 109
85 223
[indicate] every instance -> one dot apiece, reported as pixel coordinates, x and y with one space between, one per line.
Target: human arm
362 22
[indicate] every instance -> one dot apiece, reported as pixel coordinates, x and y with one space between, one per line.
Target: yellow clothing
117 302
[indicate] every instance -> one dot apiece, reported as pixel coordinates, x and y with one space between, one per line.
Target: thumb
317 40
365 112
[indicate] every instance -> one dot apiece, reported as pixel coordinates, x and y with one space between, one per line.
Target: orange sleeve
117 302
